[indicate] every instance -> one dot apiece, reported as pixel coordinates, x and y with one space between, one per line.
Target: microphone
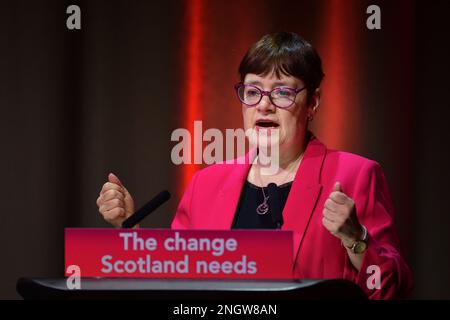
275 205
148 208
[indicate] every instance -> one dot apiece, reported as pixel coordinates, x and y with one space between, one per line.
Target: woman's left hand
339 217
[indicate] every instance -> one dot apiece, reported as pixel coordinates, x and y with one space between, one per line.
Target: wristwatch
360 245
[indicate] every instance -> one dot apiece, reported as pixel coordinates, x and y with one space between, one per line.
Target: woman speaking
337 203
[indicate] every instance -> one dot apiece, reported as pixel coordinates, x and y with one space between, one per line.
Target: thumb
114 179
337 186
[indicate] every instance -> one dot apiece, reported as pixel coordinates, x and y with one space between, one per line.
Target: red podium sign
165 253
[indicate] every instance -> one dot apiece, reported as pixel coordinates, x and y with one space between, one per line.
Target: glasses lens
249 94
283 97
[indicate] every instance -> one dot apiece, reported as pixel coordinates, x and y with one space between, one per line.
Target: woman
337 203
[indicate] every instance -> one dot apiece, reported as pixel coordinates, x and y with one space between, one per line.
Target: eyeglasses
281 97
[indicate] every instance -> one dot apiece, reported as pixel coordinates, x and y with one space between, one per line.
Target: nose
265 105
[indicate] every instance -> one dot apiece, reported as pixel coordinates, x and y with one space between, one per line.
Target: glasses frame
239 85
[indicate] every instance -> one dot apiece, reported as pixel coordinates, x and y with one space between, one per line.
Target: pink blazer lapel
304 193
301 201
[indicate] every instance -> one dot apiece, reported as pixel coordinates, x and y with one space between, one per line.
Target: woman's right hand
115 202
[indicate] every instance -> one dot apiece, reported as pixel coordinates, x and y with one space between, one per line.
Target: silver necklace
263 208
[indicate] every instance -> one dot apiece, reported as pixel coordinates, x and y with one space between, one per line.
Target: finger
112 194
327 214
114 179
332 205
337 209
337 186
333 226
339 197
330 226
99 201
334 217
111 204
110 186
114 214
126 193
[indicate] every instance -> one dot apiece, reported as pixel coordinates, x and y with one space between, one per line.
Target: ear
315 102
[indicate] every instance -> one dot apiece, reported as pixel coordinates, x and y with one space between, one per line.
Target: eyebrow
275 84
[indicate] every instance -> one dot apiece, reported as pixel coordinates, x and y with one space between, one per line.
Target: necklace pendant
263 208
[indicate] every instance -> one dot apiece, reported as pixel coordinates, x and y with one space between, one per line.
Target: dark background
76 105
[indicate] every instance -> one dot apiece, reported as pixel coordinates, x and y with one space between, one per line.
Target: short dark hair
284 53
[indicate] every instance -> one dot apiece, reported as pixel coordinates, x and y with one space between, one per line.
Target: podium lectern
189 290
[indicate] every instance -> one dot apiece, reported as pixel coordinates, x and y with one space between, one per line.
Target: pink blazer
211 199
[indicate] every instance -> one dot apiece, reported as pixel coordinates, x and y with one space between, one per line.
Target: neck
289 155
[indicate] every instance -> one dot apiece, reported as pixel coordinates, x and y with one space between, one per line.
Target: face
290 122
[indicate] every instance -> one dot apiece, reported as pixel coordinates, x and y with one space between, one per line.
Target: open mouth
266 124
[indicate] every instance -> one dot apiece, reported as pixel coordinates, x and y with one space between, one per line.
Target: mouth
266 124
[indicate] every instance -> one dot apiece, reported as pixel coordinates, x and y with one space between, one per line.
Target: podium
166 265
189 290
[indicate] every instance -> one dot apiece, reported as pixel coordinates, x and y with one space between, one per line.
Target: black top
246 216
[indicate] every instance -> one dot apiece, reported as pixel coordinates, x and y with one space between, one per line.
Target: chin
267 139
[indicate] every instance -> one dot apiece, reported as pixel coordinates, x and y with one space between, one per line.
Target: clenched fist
115 202
339 216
